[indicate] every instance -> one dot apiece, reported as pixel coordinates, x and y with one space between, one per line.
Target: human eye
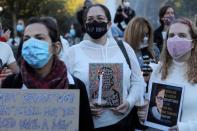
101 18
25 38
90 19
182 35
40 37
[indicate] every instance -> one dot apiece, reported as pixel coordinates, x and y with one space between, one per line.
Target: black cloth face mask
96 29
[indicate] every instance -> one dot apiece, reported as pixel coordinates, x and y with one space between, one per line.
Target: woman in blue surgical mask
42 69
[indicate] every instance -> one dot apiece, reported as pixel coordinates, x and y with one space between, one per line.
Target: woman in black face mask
97 23
112 87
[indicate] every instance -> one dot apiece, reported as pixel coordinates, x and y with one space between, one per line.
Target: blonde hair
166 59
134 33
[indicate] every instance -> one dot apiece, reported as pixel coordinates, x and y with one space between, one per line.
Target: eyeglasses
99 18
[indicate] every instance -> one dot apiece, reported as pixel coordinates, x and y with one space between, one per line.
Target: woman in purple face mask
178 66
166 17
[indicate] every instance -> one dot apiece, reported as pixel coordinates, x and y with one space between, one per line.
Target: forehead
96 10
36 28
169 10
179 28
161 93
20 22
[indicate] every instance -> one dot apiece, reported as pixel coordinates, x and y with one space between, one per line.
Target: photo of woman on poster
156 110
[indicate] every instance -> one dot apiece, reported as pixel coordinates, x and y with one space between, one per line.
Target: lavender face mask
178 47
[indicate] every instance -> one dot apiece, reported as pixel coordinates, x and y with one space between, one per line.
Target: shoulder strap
122 48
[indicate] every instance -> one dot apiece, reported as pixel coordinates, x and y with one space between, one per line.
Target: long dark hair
162 12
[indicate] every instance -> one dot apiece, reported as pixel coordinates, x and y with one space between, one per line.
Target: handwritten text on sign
39 110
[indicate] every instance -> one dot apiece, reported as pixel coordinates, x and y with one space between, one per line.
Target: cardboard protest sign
106 84
165 105
39 110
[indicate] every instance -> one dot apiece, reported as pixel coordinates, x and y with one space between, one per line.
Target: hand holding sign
95 110
121 109
165 105
142 111
174 128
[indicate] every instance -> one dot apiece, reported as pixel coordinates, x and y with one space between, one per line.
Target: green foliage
185 8
28 8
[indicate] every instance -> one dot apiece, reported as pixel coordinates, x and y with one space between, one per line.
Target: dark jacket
158 38
85 118
120 18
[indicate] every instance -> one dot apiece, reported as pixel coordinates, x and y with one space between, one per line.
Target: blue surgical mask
36 53
72 32
19 28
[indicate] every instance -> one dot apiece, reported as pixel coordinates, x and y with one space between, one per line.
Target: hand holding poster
165 105
39 110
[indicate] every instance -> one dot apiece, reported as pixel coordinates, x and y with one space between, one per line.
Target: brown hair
166 59
162 12
134 33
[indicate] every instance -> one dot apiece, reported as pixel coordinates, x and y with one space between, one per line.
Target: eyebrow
97 16
36 35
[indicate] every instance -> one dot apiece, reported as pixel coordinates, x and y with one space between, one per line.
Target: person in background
116 32
102 49
15 41
139 35
41 68
4 36
71 35
8 64
123 15
72 31
166 16
80 16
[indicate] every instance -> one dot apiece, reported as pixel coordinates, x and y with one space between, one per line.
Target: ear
56 48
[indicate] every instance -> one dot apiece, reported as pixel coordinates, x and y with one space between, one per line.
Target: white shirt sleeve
6 54
11 58
138 85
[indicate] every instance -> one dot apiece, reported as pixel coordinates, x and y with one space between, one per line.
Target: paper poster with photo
165 105
106 84
39 110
